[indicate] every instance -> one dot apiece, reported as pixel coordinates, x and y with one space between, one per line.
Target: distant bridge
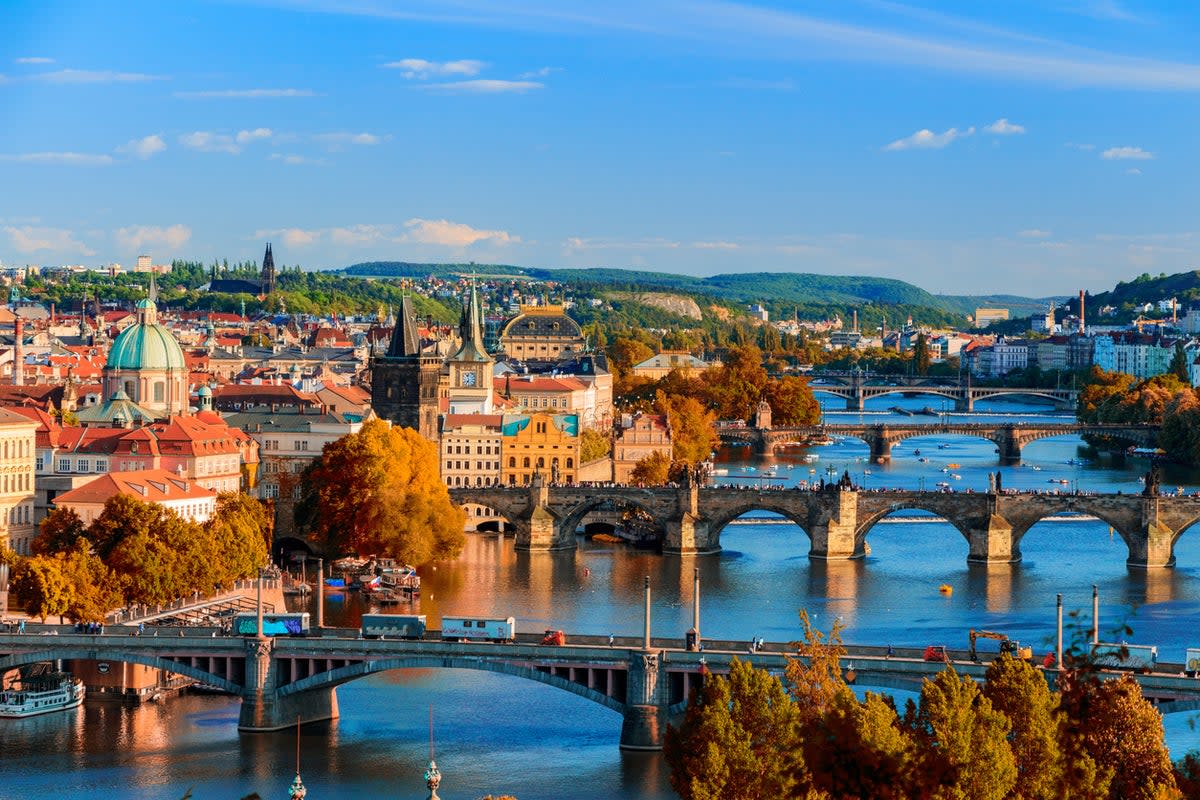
1008 437
284 679
836 521
857 387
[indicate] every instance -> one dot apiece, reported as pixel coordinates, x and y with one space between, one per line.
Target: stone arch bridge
857 388
1009 438
836 521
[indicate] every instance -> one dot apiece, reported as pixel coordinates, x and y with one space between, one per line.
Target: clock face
468 379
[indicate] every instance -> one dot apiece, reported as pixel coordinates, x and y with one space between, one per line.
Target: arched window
554 461
129 389
512 462
525 463
570 463
541 462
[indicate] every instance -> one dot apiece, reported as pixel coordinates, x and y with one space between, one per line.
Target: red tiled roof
149 485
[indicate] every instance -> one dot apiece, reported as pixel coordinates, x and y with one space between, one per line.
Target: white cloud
27 239
580 243
145 147
293 159
292 237
358 235
139 238
1002 127
1034 233
33 60
335 140
246 137
926 139
452 234
68 159
94 76
1133 171
420 69
716 245
1084 147
242 94
483 86
1124 153
208 142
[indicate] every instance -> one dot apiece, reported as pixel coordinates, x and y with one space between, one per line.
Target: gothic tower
268 271
471 367
404 381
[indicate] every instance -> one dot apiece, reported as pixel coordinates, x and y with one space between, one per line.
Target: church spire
471 329
405 341
268 271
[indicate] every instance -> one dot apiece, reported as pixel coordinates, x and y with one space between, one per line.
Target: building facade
404 381
636 437
541 444
17 479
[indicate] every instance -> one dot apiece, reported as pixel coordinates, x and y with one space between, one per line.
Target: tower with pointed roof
471 367
404 380
268 271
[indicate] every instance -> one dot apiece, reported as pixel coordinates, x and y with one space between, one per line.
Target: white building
187 498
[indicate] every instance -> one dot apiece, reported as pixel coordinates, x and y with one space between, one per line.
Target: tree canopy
377 492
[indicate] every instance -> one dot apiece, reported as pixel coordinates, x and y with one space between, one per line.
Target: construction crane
1007 645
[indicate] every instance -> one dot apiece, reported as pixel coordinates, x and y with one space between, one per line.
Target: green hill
1183 286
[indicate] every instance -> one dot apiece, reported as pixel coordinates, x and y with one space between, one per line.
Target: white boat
41 694
769 472
720 471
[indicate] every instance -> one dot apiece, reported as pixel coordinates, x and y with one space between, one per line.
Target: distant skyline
1029 147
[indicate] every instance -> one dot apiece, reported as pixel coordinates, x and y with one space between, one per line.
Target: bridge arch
950 393
929 506
361 669
982 393
84 653
757 502
570 519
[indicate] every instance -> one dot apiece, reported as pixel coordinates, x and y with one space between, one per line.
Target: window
525 464
570 463
84 465
101 465
64 465
512 462
39 464
159 391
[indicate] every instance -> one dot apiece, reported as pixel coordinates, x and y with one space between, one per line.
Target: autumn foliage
378 492
750 736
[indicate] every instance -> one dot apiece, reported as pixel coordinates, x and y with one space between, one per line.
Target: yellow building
17 454
543 444
639 436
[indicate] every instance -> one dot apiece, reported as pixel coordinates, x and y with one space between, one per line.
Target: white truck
1137 657
479 629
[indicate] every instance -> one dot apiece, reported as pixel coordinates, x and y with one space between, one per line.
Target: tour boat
42 694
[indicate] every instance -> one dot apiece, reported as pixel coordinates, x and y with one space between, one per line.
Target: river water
499 734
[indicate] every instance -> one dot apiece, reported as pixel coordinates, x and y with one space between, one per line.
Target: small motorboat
946 589
956 476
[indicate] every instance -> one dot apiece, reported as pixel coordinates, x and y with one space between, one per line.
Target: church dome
145 345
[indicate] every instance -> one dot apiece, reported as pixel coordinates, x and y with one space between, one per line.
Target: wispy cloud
292 237
144 147
1002 127
1104 9
294 159
436 232
1126 153
1034 233
339 139
926 139
246 137
139 238
67 158
245 94
582 243
948 44
483 86
1133 171
33 60
28 239
544 72
420 69
93 76
209 142
716 245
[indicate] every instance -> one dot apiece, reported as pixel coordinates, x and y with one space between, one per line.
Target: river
501 734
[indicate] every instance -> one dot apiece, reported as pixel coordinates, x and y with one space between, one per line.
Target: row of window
17 482
465 450
273 444
460 480
479 465
15 448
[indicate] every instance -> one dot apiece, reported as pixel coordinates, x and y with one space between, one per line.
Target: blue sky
1023 146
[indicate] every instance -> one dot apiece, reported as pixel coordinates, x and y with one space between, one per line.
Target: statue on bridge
1152 482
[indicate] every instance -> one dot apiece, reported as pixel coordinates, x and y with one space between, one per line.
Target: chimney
854 329
19 352
1082 325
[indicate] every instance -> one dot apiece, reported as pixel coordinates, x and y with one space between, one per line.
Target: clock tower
471 367
404 381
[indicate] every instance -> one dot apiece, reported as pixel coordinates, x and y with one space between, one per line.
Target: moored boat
40 694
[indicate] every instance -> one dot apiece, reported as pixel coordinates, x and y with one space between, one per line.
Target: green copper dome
146 345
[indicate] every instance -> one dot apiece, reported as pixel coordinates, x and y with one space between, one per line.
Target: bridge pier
965 402
1153 547
881 446
689 532
856 401
645 721
1009 446
264 710
835 538
539 529
992 542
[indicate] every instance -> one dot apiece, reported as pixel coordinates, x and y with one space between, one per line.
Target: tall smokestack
1082 324
19 352
855 328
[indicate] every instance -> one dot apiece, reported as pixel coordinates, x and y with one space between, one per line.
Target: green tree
93 587
378 492
1180 363
58 532
921 356
240 531
734 388
39 585
122 516
1020 692
738 741
963 752
653 470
